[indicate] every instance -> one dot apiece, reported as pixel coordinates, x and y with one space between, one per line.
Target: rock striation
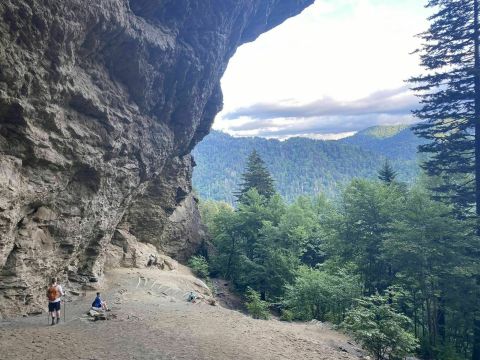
101 102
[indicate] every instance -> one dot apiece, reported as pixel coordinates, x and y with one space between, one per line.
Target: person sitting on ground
99 304
54 294
192 297
152 260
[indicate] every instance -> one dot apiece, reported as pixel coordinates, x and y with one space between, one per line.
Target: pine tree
386 173
256 176
450 97
450 94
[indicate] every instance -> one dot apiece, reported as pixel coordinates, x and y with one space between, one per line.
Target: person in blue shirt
98 303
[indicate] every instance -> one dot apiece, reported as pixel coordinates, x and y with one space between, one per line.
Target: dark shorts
54 306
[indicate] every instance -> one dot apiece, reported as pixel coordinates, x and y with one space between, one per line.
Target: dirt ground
150 319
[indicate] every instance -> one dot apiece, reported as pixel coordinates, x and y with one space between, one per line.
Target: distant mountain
302 166
395 142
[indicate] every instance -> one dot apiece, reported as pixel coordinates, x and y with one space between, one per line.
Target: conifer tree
450 98
450 94
256 176
386 173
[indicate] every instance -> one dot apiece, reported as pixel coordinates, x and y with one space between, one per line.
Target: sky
337 68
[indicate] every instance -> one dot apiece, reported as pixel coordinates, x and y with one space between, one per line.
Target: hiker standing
54 294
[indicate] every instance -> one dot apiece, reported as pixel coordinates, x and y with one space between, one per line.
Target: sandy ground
150 319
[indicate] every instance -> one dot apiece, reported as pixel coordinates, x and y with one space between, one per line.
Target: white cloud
337 49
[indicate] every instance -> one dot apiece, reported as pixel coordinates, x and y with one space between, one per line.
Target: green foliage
199 266
256 307
366 213
210 209
250 251
316 256
449 112
301 166
382 132
256 176
287 315
386 173
431 252
322 295
380 329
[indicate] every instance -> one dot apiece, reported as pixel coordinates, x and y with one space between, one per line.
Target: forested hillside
303 166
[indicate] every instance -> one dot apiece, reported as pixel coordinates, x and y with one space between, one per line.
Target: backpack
52 293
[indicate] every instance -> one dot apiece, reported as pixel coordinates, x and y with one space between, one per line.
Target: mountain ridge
303 166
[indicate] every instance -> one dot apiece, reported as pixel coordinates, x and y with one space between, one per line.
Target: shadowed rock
101 103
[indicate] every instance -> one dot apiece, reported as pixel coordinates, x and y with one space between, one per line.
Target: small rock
211 301
35 313
93 313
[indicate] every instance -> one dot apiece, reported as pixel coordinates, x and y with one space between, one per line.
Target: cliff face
101 103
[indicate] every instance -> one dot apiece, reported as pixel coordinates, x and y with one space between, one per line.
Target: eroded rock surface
101 102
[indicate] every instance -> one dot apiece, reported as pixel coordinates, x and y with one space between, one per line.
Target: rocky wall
101 102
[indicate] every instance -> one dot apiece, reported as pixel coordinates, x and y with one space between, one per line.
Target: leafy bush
287 315
199 266
380 330
321 295
256 307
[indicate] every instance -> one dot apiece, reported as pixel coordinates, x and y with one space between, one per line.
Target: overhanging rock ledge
101 103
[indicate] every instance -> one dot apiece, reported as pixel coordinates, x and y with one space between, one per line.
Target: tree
199 266
450 93
209 210
366 215
380 329
386 173
256 176
322 295
251 250
429 251
256 306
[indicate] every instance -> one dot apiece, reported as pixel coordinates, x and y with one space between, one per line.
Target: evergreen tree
386 173
256 176
450 93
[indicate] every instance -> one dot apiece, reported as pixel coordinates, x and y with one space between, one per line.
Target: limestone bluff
101 102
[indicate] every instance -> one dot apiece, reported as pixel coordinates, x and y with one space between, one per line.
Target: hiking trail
150 319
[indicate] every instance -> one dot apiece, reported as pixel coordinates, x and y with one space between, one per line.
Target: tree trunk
229 274
441 323
476 324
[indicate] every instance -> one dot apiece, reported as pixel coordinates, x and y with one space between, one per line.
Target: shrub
318 294
287 315
256 307
381 331
199 266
